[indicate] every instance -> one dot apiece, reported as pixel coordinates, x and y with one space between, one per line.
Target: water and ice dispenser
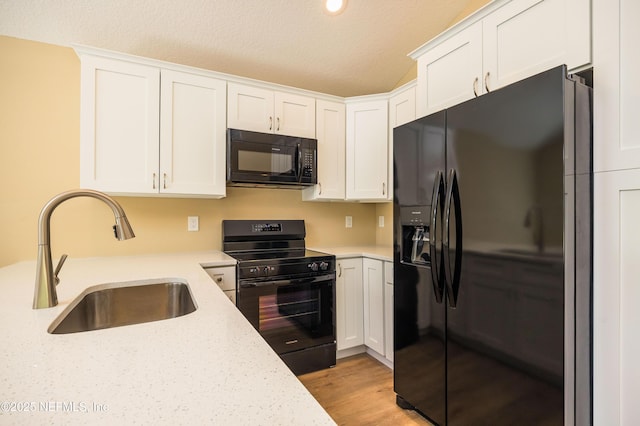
415 235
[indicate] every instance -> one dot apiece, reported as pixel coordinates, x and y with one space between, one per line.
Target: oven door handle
293 281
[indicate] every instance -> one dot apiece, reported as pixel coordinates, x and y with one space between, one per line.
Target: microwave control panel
308 162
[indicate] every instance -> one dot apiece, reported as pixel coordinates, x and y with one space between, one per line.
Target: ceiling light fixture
335 7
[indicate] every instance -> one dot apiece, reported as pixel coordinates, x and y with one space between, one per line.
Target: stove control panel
262 271
314 266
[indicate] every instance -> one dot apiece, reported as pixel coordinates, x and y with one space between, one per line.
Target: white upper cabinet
402 107
192 134
119 131
402 110
262 110
367 164
151 131
525 37
330 132
450 72
502 43
616 85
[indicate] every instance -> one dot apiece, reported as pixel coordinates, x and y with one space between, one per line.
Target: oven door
290 314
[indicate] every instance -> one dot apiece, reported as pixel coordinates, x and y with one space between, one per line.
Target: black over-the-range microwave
256 159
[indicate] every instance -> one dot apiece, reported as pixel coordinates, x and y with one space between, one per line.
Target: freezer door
419 314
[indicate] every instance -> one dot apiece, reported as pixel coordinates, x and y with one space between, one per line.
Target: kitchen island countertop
207 367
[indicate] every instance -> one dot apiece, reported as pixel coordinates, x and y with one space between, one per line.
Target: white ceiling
291 42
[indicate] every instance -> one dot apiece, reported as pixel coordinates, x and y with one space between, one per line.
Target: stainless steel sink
126 303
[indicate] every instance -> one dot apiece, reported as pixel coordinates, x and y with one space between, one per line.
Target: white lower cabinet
364 307
373 281
388 311
616 294
349 307
225 277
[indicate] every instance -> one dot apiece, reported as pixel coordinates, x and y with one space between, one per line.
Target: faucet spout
45 295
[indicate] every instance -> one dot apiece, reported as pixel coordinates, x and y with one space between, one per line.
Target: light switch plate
348 221
380 221
193 223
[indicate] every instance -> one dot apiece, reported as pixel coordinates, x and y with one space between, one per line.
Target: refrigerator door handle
437 204
452 278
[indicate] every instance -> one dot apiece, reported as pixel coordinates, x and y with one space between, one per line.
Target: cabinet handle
154 181
270 123
475 87
164 181
486 81
383 188
320 188
339 270
278 124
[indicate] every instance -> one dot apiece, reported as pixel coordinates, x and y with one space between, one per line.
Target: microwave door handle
299 162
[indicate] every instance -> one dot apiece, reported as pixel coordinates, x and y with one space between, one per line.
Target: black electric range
285 291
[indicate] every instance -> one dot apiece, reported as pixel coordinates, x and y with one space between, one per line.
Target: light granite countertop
207 367
383 253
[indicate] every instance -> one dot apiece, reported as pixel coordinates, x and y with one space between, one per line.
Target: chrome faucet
533 220
45 295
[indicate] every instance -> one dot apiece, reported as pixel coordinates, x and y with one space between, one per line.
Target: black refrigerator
492 257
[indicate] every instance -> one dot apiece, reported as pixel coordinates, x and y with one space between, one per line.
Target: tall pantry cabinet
616 316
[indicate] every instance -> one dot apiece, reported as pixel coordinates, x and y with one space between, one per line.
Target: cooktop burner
272 249
280 254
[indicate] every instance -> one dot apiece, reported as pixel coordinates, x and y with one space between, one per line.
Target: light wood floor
359 391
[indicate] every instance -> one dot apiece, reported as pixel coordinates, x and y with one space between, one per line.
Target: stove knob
266 270
324 266
313 266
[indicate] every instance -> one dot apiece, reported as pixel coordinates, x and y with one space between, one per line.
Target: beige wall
39 157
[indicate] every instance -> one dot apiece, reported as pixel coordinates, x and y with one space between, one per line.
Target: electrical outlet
193 223
380 221
348 221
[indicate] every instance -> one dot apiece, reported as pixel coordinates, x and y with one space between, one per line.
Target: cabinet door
373 282
225 278
119 126
349 311
388 310
250 108
192 135
617 66
330 122
294 115
367 151
525 37
451 72
402 108
615 297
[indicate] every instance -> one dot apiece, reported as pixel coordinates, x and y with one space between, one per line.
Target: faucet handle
60 263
